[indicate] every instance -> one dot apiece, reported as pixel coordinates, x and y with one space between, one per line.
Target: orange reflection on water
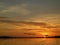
30 41
45 41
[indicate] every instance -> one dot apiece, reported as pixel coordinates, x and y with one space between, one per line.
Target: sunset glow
30 18
45 34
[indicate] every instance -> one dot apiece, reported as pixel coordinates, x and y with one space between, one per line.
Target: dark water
30 41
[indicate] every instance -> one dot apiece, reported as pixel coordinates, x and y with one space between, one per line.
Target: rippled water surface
30 41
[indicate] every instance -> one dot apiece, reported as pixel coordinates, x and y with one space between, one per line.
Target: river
30 41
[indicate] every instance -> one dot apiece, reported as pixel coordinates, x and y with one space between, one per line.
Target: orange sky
30 16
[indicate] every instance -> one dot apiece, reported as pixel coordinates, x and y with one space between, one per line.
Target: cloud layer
19 16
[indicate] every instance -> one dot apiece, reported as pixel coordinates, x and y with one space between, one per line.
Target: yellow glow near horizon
45 34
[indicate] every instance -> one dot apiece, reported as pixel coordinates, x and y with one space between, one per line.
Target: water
30 41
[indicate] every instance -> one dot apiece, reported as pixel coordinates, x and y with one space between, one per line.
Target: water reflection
30 41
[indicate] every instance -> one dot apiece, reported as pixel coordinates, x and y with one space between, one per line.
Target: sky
29 17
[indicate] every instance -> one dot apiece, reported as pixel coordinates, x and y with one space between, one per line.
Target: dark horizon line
29 37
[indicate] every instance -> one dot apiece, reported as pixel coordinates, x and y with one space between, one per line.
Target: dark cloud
30 33
36 23
6 21
28 23
3 17
24 22
53 27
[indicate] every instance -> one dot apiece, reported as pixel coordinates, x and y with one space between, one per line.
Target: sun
45 34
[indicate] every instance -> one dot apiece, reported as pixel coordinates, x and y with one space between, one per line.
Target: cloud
3 17
27 28
25 22
20 16
6 21
30 33
26 25
17 9
48 18
27 10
